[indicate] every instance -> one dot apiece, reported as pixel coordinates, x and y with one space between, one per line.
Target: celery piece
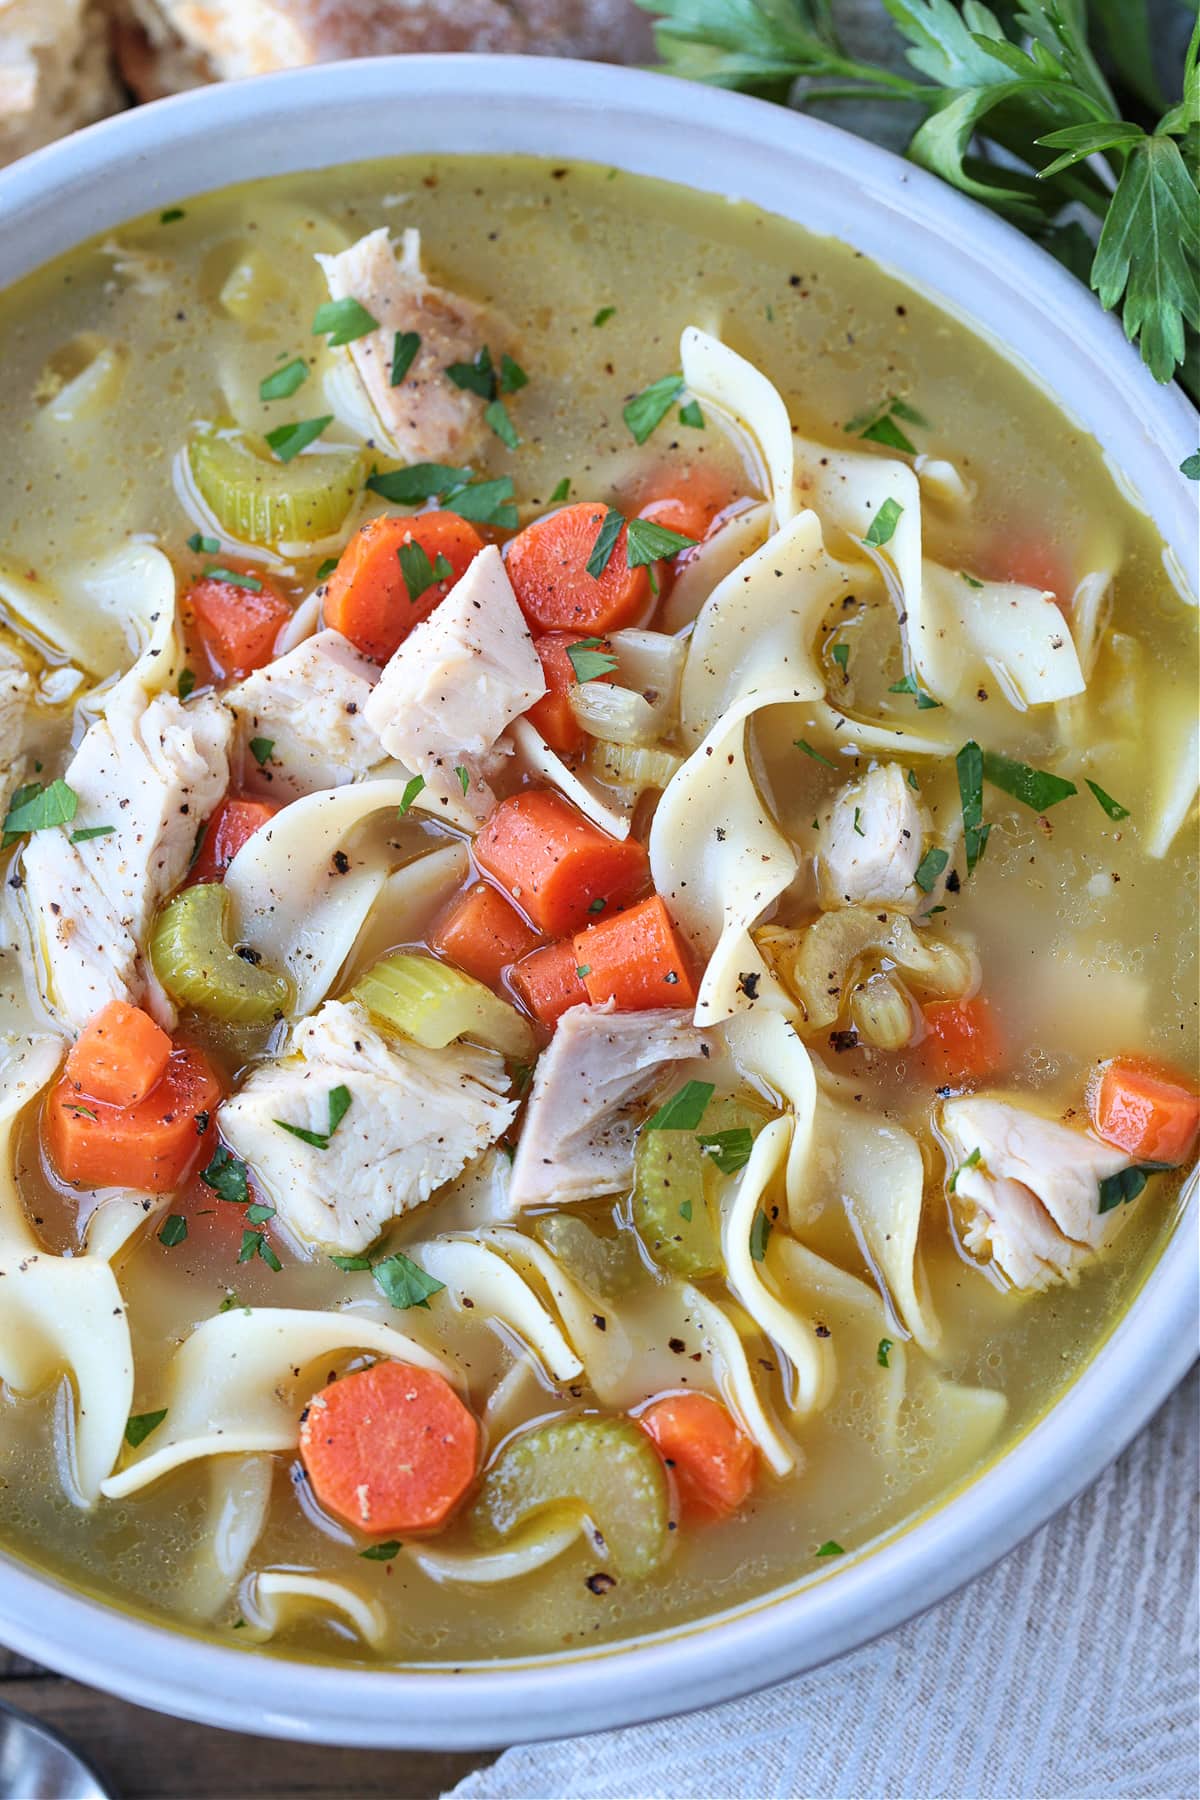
632 766
607 1467
198 967
263 501
674 1185
432 1003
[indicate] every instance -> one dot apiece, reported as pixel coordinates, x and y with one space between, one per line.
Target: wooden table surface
146 1756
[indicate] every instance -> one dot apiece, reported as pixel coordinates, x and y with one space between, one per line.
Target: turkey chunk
425 418
312 706
153 772
456 682
577 1139
1028 1189
416 1118
16 693
871 840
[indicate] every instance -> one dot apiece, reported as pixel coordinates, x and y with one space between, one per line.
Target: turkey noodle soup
598 1001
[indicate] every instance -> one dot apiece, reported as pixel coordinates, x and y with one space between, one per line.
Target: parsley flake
1190 466
604 315
234 578
255 1244
1112 807
972 1162
884 524
419 573
419 481
174 1231
36 807
692 416
591 659
760 1233
883 1352
969 764
403 1283
930 867
87 832
647 543
1126 1184
684 1110
342 321
729 1150
803 744
261 749
475 377
411 790
282 383
464 777
339 1105
562 491
651 406
227 1176
606 542
384 1552
908 685
139 1426
1036 788
288 441
405 345
203 546
496 418
186 683
830 1547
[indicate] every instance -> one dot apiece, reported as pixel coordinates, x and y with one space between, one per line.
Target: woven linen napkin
1070 1671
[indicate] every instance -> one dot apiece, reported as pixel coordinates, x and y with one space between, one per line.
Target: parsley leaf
648 543
261 749
883 1351
604 315
226 1175
760 1233
234 578
419 573
830 1547
288 441
1148 252
282 383
36 807
206 546
841 656
605 544
969 764
411 790
384 1552
803 744
1126 1184
1190 466
1035 788
485 503
930 867
684 1110
87 832
139 1426
405 345
475 377
420 481
883 525
1112 807
651 406
339 1105
326 568
512 375
972 1162
729 1150
255 1244
496 418
186 683
464 777
691 416
562 491
590 659
403 1283
174 1231
342 321
925 702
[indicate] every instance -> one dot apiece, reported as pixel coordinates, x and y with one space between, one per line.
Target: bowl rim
1003 288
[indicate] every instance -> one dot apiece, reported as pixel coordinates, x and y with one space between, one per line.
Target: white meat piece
577 1137
426 418
416 1118
871 842
312 705
154 772
1032 1200
16 693
463 675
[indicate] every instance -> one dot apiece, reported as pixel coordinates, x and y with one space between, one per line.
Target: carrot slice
713 1462
1145 1110
238 626
552 715
558 867
389 1448
547 565
549 982
635 959
151 1145
481 934
1032 562
373 601
232 825
963 1041
119 1055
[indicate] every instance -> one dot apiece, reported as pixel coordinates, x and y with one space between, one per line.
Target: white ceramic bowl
986 274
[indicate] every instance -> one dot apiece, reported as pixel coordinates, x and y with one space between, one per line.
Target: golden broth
1081 936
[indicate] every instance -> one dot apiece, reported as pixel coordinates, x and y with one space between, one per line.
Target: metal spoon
36 1764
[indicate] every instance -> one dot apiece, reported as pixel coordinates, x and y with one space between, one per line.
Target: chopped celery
606 1466
630 766
609 1266
266 502
433 1004
198 967
674 1187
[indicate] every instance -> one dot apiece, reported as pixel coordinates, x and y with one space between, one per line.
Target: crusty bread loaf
55 71
165 45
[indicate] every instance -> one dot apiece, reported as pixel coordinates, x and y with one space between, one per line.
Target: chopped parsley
583 970
651 406
171 215
1036 788
496 418
604 315
606 542
1112 807
464 777
384 1552
405 345
203 546
411 790
883 1351
760 1234
339 1105
969 764
83 1112
419 573
912 781
858 821
288 441
1190 466
972 1162
883 525
969 579
512 375
830 1547
685 1211
930 867
232 1302
186 683
174 1231
1126 1184
475 377
803 744
485 503
226 1175
282 383
909 686
590 659
597 906
729 1150
562 491
259 1213
255 1244
879 425
87 832
692 416
35 807
234 578
342 321
648 542
139 1426
841 656
262 749
420 481
327 567
684 1110
351 1265
403 1283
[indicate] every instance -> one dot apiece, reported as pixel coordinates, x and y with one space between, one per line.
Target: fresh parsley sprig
1017 113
